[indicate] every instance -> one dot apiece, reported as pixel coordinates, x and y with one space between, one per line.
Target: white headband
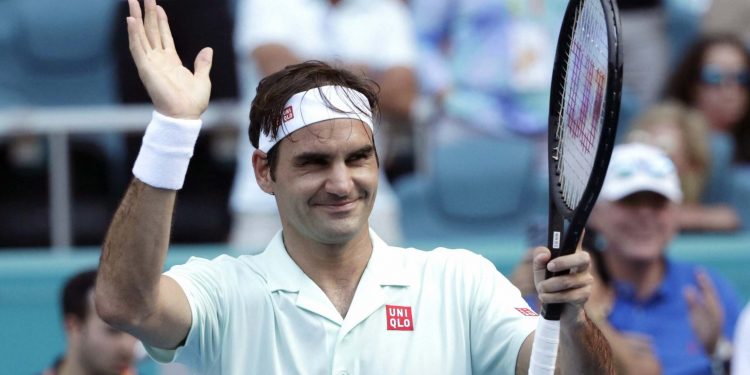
308 107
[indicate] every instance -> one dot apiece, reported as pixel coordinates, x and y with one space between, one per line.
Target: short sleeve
203 284
500 320
741 359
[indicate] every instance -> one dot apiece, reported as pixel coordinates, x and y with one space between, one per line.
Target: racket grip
552 311
544 349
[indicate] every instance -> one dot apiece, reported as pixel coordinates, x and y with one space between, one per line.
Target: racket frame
563 239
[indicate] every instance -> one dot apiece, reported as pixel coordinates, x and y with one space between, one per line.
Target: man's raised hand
175 91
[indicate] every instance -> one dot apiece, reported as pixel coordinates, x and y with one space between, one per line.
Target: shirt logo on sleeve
399 318
525 311
288 113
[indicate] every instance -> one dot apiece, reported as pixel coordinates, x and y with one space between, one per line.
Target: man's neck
336 269
70 367
645 276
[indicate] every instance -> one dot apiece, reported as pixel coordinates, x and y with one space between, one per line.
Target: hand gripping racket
584 107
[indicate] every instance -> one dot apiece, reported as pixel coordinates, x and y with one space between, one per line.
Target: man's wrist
721 356
166 151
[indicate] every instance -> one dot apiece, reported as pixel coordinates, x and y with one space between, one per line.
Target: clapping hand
706 312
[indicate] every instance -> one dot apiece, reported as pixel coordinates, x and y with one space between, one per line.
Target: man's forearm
134 252
583 349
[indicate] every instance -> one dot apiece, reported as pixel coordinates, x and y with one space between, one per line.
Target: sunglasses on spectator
714 76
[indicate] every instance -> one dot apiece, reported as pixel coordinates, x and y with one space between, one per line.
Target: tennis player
327 296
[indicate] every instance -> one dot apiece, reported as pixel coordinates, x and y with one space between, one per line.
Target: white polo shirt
414 312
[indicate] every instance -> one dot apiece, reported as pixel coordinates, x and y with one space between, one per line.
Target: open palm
175 90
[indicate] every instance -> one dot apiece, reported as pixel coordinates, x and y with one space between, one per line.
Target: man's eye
358 157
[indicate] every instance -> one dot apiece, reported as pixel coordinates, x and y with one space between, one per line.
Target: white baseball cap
636 167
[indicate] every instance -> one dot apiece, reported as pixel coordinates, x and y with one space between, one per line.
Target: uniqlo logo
288 113
526 311
399 318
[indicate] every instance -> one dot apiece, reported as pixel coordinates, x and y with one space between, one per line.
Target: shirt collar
385 267
627 290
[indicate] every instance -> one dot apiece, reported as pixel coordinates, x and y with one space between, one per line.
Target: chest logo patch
399 318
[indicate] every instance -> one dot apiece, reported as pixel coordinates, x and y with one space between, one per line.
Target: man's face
637 227
102 348
326 181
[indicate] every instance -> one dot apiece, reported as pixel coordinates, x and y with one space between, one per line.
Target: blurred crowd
464 92
451 74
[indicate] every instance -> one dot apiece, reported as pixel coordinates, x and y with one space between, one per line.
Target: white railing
57 123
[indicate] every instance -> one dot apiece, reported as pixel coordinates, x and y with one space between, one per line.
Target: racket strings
581 113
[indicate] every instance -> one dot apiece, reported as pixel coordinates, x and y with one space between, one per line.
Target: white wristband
544 349
166 151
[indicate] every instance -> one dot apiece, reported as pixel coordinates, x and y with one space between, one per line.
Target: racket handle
544 349
552 311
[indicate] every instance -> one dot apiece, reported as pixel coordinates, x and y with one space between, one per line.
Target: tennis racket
584 107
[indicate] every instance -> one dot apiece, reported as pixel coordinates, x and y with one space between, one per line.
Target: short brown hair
275 90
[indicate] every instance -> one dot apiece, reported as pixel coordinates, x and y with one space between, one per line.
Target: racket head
584 108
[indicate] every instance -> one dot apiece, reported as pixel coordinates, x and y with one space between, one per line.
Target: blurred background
462 140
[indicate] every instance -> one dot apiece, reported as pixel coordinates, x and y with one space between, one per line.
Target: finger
577 296
136 49
203 62
691 297
540 258
151 24
563 283
135 9
707 289
575 263
166 33
579 247
136 29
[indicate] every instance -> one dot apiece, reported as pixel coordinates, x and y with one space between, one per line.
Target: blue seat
480 188
719 183
11 75
66 51
741 194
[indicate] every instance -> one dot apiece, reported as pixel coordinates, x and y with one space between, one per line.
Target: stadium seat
10 74
719 184
66 52
478 188
741 194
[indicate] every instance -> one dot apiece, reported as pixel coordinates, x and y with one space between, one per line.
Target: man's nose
339 181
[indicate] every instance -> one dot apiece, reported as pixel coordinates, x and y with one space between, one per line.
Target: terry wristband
166 151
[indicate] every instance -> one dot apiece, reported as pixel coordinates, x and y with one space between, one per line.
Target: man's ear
72 324
262 169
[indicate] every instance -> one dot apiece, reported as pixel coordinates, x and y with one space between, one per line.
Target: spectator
631 353
684 135
654 34
741 358
93 347
485 67
687 313
713 77
728 16
373 37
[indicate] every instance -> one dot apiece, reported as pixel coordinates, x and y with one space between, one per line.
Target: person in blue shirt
684 314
